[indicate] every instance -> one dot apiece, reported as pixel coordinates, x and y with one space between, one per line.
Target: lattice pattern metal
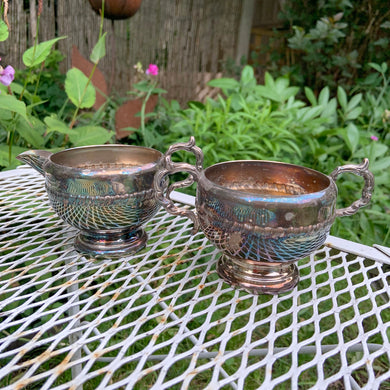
162 319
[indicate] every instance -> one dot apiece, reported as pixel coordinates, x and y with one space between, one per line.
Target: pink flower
7 75
152 70
374 138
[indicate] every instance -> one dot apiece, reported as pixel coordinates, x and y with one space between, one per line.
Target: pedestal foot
110 244
258 277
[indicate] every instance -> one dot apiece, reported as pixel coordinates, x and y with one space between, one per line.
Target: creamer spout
35 158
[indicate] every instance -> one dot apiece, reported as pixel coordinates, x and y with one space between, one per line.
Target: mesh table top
163 319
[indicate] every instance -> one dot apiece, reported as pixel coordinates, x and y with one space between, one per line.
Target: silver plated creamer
104 191
262 215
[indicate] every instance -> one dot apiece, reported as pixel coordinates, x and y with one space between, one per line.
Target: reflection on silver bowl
263 215
104 191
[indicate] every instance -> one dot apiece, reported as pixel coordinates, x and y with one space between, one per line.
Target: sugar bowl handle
360 170
168 167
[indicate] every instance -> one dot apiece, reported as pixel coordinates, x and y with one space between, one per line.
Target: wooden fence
188 39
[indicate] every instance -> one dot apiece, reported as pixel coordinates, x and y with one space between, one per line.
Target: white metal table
163 319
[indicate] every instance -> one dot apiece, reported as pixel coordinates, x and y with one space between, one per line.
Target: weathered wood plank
185 38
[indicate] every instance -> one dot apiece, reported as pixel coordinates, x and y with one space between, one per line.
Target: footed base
258 277
112 244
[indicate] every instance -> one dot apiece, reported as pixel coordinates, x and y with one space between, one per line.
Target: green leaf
380 165
143 86
4 158
342 98
323 98
5 116
99 51
269 81
330 110
353 114
196 104
37 54
247 74
18 89
354 101
224 83
81 93
378 150
310 96
352 137
32 132
382 42
3 31
288 92
4 155
89 135
385 24
375 66
310 113
11 103
159 91
237 102
175 105
54 124
267 92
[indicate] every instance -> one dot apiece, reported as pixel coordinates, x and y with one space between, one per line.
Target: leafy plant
144 89
329 43
47 83
23 122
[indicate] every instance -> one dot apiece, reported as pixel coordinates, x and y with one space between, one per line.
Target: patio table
163 319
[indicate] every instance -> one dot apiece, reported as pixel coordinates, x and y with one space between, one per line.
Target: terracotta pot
116 9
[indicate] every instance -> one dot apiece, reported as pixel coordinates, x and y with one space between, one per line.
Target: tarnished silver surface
163 319
360 170
105 191
263 215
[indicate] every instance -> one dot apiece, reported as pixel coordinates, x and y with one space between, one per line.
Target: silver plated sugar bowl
264 216
105 191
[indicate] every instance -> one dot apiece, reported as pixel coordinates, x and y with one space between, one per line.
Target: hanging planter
116 9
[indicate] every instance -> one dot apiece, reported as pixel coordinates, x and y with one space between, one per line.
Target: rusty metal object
263 215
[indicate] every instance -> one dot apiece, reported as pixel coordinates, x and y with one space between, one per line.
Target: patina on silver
262 215
104 191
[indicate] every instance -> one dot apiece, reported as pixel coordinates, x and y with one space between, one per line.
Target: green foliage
144 89
79 90
37 54
252 121
99 51
3 31
44 87
27 119
332 41
9 103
